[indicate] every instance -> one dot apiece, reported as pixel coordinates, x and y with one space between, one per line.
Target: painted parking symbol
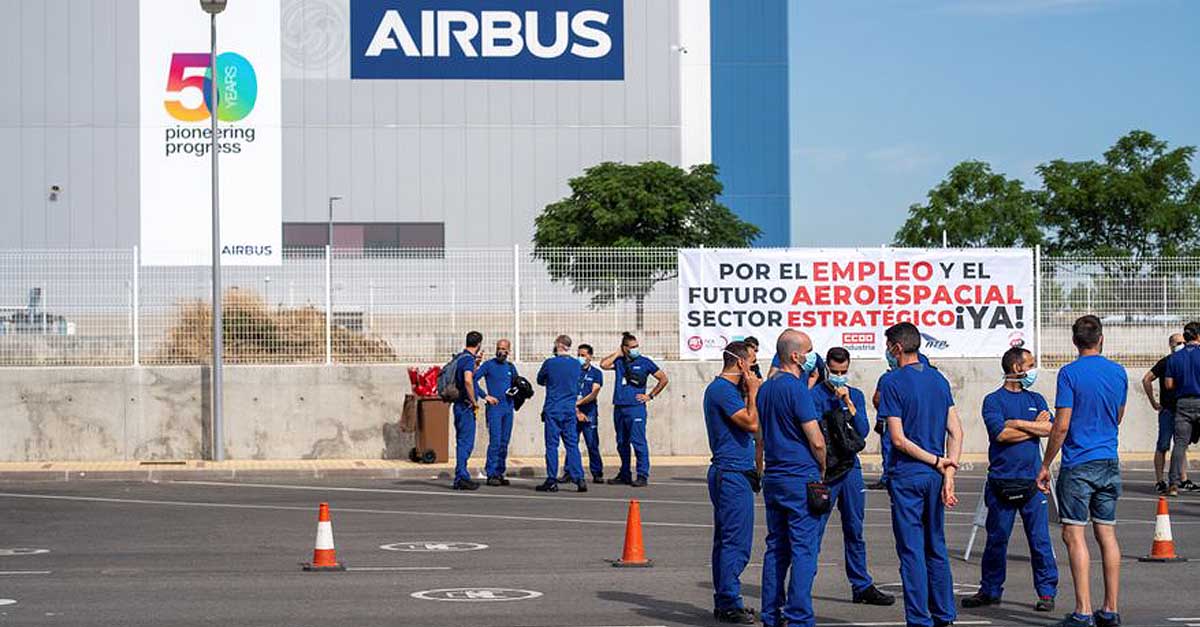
433 547
8 601
22 551
476 595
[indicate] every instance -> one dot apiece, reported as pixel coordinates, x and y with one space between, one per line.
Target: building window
374 239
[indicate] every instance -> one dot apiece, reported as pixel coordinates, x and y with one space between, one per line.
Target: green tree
633 207
974 207
1142 201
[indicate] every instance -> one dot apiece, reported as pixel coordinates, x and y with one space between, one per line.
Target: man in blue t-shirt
794 452
631 372
464 411
1089 406
560 375
591 379
493 379
885 443
732 421
847 491
926 436
1016 419
1183 379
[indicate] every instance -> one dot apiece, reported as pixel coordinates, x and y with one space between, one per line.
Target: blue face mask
892 361
634 353
582 361
1029 378
810 362
838 380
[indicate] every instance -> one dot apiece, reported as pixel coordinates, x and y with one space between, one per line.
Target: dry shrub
257 334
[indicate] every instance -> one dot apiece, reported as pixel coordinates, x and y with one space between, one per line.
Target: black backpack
447 382
842 443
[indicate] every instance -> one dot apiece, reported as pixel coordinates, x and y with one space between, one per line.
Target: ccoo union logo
487 39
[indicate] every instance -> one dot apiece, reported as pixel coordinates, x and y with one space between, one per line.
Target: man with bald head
1165 406
794 452
493 379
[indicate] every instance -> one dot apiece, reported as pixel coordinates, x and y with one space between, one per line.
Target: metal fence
102 308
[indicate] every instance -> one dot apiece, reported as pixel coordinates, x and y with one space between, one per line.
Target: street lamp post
329 238
213 7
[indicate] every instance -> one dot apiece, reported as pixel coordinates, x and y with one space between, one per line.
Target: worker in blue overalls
848 492
560 375
926 436
731 419
631 371
493 380
885 442
591 379
1016 419
464 411
794 451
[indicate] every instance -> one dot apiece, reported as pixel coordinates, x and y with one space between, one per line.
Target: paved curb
257 470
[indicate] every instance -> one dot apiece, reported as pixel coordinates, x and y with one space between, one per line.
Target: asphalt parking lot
196 553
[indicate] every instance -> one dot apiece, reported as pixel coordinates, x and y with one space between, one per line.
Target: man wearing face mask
847 492
731 418
1165 406
1016 419
560 375
926 436
1183 378
885 442
795 453
493 379
591 379
632 369
752 344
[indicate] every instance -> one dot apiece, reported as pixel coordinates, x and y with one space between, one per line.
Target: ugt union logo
189 87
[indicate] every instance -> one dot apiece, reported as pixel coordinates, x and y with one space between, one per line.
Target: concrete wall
312 412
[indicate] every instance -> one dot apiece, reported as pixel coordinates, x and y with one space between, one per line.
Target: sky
887 95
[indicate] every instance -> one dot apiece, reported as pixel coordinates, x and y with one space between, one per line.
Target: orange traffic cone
634 554
1163 549
324 555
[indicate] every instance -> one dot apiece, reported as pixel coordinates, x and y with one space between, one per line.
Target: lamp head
213 7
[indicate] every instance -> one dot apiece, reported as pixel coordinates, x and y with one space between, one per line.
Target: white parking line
1183 620
392 568
898 624
24 572
443 493
886 623
293 508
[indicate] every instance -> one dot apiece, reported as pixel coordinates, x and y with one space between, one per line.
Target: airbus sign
487 39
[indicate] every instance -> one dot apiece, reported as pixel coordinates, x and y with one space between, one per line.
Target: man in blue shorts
1089 404
1183 379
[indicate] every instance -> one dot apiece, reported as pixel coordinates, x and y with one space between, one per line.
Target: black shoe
494 481
878 485
465 485
1044 604
1188 485
938 623
581 486
1074 620
979 599
641 482
548 486
874 596
598 478
1161 488
564 478
736 616
503 480
1106 619
618 481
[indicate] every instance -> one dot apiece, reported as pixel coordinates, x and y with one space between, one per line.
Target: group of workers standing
795 434
791 432
572 385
